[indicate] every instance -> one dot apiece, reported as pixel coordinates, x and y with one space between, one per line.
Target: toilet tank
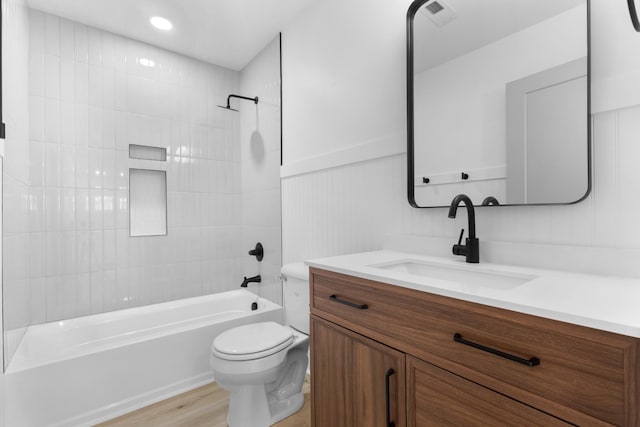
295 291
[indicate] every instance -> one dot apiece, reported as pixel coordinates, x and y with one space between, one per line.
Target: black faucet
490 201
254 279
471 248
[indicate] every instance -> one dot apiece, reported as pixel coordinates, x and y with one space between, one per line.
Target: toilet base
262 405
281 410
260 410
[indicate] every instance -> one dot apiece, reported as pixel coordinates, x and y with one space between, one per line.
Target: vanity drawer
369 308
571 366
583 375
439 398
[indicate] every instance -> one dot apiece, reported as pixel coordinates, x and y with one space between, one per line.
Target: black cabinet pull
349 303
387 380
534 361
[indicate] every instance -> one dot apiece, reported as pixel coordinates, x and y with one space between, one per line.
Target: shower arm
255 100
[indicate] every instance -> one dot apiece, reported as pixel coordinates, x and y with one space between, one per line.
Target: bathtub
90 369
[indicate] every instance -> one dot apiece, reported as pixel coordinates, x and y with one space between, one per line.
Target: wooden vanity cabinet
357 378
541 372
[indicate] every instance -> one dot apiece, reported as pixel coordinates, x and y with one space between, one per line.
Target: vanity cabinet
358 378
482 364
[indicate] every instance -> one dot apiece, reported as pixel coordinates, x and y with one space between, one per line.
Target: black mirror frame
411 12
633 13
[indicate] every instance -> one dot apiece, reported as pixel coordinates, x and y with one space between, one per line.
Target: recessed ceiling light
146 62
161 23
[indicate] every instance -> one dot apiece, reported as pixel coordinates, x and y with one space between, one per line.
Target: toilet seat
253 341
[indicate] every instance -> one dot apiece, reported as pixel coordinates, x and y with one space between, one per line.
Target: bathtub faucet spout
254 279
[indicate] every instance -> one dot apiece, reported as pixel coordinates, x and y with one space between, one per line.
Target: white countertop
607 303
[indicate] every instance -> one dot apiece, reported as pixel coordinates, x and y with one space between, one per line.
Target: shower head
228 106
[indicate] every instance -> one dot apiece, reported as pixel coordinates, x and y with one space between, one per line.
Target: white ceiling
223 32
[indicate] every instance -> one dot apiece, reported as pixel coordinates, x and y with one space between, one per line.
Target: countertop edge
599 322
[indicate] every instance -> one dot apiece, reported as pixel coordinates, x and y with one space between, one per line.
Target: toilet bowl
263 365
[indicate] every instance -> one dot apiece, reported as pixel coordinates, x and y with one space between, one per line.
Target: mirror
498 101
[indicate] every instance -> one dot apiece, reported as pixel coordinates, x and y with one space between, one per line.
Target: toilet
263 365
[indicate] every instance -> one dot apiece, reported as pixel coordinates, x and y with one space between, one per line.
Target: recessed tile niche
145 152
147 202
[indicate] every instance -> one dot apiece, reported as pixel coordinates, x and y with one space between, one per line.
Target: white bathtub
86 370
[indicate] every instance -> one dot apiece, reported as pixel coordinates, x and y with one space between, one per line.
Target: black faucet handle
258 252
460 249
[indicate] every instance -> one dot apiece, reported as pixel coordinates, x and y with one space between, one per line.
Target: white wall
616 65
260 154
350 208
343 72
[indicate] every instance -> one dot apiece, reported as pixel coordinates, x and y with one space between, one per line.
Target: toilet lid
252 341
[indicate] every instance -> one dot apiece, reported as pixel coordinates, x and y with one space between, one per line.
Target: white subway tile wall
91 94
350 208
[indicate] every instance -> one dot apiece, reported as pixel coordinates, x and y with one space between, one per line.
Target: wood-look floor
205 406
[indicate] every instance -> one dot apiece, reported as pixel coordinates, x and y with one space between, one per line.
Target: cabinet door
439 398
355 381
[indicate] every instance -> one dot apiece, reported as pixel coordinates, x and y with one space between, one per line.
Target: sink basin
465 277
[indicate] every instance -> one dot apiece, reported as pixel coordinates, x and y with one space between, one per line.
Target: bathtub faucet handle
254 279
258 252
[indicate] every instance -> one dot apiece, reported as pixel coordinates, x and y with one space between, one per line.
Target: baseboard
137 402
